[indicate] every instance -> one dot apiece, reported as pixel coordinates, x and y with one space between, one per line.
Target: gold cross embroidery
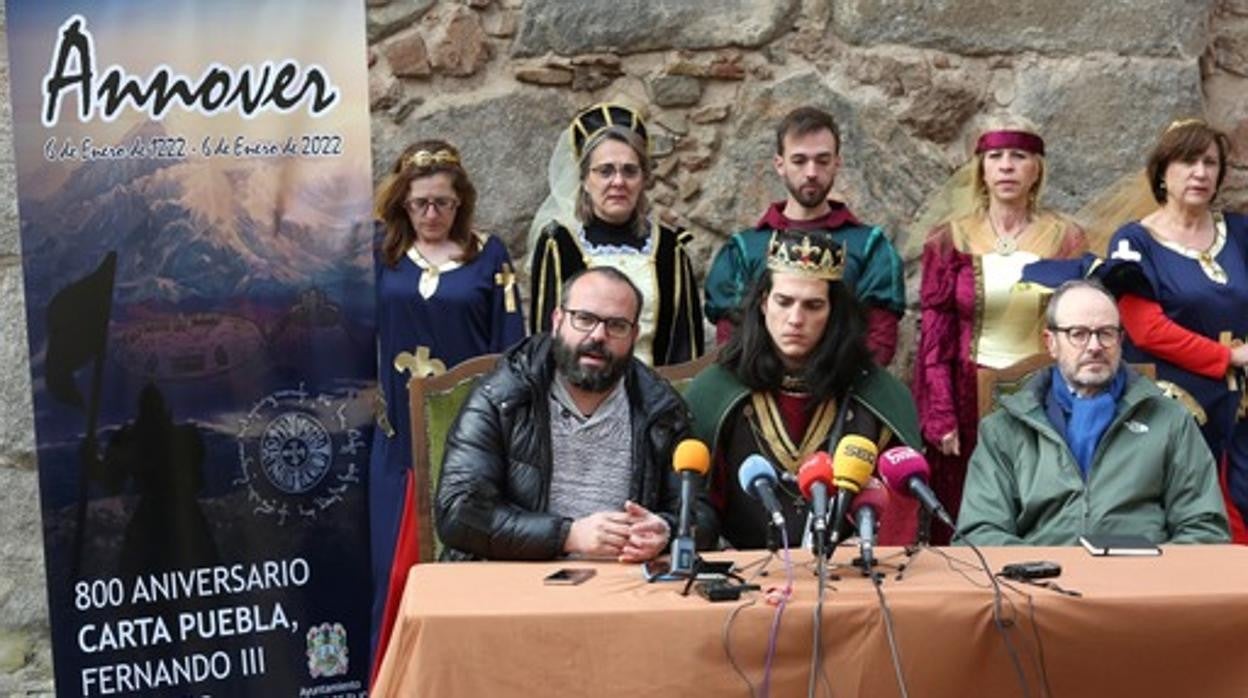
1228 340
507 279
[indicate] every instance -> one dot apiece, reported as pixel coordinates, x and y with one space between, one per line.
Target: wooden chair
681 375
994 383
434 402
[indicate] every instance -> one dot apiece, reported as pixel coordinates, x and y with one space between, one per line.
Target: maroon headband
1018 140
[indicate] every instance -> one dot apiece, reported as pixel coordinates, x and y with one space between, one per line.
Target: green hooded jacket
1151 475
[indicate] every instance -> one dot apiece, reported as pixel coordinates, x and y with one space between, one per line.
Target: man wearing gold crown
795 378
807 158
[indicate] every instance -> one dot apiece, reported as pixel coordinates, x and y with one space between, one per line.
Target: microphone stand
922 540
834 437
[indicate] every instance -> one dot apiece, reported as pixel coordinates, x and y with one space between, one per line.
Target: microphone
905 471
866 511
691 459
814 478
851 467
758 479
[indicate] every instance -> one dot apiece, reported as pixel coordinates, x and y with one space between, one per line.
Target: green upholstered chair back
435 402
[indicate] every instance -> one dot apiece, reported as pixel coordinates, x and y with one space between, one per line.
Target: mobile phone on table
569 576
1035 569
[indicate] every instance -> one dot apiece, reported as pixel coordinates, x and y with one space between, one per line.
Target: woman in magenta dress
1189 315
973 313
445 293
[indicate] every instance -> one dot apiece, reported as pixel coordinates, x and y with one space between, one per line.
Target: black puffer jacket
494 488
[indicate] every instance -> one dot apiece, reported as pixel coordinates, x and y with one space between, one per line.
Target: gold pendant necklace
1006 245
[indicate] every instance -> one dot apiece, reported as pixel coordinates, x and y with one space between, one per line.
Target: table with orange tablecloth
1174 625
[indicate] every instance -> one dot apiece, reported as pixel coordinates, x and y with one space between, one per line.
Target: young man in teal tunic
794 379
807 159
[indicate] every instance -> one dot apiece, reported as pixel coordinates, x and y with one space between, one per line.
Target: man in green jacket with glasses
1090 446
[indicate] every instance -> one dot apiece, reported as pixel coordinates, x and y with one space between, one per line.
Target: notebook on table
1119 545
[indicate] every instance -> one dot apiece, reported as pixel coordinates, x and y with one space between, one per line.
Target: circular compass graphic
295 452
300 453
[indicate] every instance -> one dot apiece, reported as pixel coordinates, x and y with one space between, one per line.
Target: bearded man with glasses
565 449
1089 446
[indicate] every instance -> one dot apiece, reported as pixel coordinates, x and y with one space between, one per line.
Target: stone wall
906 79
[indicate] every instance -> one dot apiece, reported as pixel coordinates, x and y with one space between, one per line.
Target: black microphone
758 479
691 459
905 471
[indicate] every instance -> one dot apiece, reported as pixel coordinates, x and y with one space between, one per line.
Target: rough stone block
1239 143
1230 48
674 90
383 90
710 114
1100 117
407 55
459 45
1064 27
23 597
939 112
635 26
16 417
590 80
15 650
545 75
395 16
501 24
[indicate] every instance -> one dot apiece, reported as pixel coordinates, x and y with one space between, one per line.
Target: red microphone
866 511
814 478
906 472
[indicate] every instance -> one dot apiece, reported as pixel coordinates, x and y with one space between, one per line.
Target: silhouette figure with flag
78 318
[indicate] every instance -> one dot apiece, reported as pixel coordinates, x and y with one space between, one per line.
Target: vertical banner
194 191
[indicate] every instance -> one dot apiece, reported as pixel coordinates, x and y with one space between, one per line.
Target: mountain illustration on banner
204 228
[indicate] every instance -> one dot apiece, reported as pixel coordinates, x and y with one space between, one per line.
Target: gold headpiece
424 158
813 256
600 117
1180 123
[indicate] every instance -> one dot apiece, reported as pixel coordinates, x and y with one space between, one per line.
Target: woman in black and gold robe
614 226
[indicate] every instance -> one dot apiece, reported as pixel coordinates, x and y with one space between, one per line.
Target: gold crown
1180 123
799 253
424 158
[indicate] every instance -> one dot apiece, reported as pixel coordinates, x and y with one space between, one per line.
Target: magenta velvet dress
951 300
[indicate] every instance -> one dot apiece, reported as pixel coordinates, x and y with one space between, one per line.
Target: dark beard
594 380
808 202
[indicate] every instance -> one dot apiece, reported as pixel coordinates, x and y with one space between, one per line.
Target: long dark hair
390 202
838 358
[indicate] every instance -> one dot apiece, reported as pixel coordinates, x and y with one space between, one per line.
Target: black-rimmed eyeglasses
1079 334
585 321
